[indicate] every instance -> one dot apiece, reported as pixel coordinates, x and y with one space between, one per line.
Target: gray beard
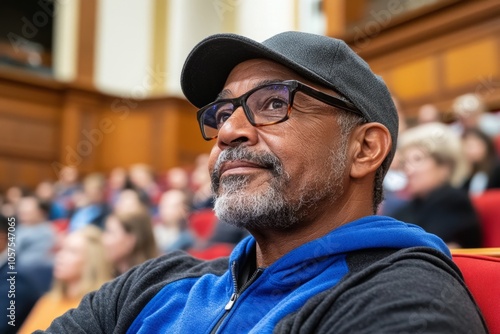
270 208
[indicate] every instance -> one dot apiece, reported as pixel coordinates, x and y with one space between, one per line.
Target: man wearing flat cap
303 134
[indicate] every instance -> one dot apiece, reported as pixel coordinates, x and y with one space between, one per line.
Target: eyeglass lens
266 105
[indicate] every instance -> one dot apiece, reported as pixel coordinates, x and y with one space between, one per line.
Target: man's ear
371 144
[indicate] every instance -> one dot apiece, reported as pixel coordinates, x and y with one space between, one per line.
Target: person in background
26 290
177 178
45 191
432 160
200 180
80 267
171 232
470 111
92 208
143 180
130 201
67 185
128 240
35 236
118 180
12 197
428 113
480 153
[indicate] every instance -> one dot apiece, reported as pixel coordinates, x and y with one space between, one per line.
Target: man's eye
273 104
222 116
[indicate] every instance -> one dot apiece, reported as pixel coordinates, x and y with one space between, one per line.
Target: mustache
264 159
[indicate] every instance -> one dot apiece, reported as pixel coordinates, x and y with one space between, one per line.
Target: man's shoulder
410 290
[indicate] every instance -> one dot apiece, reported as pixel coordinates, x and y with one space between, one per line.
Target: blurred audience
128 240
80 267
171 230
35 238
433 162
91 207
479 151
118 180
470 111
12 197
66 187
428 113
26 291
177 178
130 201
143 180
202 197
45 191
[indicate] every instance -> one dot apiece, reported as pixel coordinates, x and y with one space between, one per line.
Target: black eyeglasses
264 105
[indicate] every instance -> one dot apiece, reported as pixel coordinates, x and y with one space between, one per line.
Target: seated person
79 268
479 150
128 240
18 288
171 232
434 165
304 133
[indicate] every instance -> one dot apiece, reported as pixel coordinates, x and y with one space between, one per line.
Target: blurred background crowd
74 234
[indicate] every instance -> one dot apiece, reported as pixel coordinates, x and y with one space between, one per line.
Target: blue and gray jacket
373 275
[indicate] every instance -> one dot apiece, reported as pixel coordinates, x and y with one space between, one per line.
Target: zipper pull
231 301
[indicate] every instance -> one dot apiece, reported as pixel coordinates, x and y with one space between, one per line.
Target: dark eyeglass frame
294 86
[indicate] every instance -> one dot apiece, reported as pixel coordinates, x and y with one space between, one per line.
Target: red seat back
202 223
487 206
482 277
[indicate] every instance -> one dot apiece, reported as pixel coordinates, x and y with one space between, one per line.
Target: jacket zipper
237 293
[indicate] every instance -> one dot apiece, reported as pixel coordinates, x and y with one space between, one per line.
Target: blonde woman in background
434 166
128 240
79 268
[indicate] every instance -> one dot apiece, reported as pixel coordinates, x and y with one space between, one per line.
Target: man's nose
236 130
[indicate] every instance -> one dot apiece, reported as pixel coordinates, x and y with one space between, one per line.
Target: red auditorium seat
487 206
482 277
202 223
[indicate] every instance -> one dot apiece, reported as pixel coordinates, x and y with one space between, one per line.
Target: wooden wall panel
169 135
24 172
467 63
439 56
414 79
60 125
127 141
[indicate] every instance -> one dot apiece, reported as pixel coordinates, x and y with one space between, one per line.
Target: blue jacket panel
200 304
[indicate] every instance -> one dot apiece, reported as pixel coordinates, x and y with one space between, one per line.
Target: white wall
65 38
123 46
124 49
189 22
261 19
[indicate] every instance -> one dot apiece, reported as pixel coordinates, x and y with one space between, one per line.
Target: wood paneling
45 126
436 57
128 141
467 63
415 79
